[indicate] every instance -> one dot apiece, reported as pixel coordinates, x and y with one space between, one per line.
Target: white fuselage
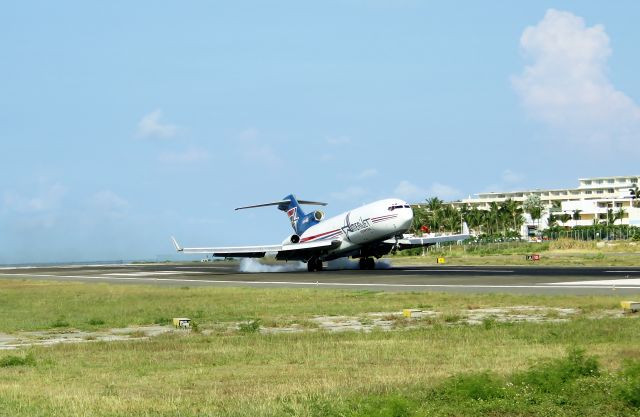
363 226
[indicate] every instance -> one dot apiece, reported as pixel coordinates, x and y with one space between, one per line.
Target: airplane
367 232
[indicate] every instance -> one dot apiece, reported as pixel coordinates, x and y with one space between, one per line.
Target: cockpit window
395 207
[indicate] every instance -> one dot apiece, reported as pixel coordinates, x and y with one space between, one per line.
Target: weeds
629 391
13 360
60 322
552 376
251 326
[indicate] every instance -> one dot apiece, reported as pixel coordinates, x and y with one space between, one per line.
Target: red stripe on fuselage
306 239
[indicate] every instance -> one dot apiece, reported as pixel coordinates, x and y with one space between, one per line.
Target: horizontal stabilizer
175 243
281 202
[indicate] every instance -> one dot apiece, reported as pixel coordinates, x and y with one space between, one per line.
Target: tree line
505 219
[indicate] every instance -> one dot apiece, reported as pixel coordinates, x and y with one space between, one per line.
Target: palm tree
552 220
635 194
513 210
475 219
611 217
434 204
576 215
619 215
564 218
493 217
533 206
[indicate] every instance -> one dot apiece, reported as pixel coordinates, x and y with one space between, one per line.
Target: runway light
181 323
630 306
411 312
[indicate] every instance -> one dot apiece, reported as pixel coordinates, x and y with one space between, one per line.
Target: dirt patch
49 338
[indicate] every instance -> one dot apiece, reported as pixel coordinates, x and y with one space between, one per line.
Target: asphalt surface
510 279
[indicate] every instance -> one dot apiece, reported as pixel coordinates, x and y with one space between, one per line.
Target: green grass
563 252
33 305
445 368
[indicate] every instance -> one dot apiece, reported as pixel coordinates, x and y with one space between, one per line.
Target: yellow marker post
181 323
630 306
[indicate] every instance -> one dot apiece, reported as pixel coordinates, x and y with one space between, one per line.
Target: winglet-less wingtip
175 243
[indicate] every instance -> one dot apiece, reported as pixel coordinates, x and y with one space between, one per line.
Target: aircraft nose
406 218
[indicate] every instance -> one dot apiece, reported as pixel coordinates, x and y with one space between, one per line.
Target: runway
510 279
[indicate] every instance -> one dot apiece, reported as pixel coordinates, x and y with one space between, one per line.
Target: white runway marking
630 283
150 273
331 284
456 270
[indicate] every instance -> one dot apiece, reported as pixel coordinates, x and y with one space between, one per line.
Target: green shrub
629 391
13 360
551 376
385 406
96 322
251 326
60 322
477 386
162 321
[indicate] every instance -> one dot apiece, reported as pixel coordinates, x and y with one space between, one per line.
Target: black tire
364 263
319 266
371 264
311 265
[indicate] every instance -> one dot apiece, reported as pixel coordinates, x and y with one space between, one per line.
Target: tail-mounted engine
293 239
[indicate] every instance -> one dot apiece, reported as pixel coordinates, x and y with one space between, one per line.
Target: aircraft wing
410 241
293 251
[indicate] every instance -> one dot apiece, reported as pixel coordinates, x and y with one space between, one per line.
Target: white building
593 197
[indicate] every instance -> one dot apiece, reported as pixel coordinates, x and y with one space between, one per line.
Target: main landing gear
314 264
367 263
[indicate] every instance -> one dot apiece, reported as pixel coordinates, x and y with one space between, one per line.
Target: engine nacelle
293 239
318 215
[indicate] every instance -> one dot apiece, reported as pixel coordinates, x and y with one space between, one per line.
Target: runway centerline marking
324 284
635 282
449 270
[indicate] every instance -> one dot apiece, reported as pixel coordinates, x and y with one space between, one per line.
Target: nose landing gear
314 264
367 263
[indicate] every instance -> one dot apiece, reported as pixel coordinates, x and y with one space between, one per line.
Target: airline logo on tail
293 216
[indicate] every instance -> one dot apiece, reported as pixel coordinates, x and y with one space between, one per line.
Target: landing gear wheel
314 264
367 263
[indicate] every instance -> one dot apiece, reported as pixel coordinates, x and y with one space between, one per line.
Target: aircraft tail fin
300 221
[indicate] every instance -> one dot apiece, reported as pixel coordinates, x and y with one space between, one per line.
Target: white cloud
150 126
46 200
108 203
187 156
108 200
339 140
367 173
566 85
350 193
443 191
256 149
409 191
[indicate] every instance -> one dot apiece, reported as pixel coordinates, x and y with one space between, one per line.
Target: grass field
563 252
439 368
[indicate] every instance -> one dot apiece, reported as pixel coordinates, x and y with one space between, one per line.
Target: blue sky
122 123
